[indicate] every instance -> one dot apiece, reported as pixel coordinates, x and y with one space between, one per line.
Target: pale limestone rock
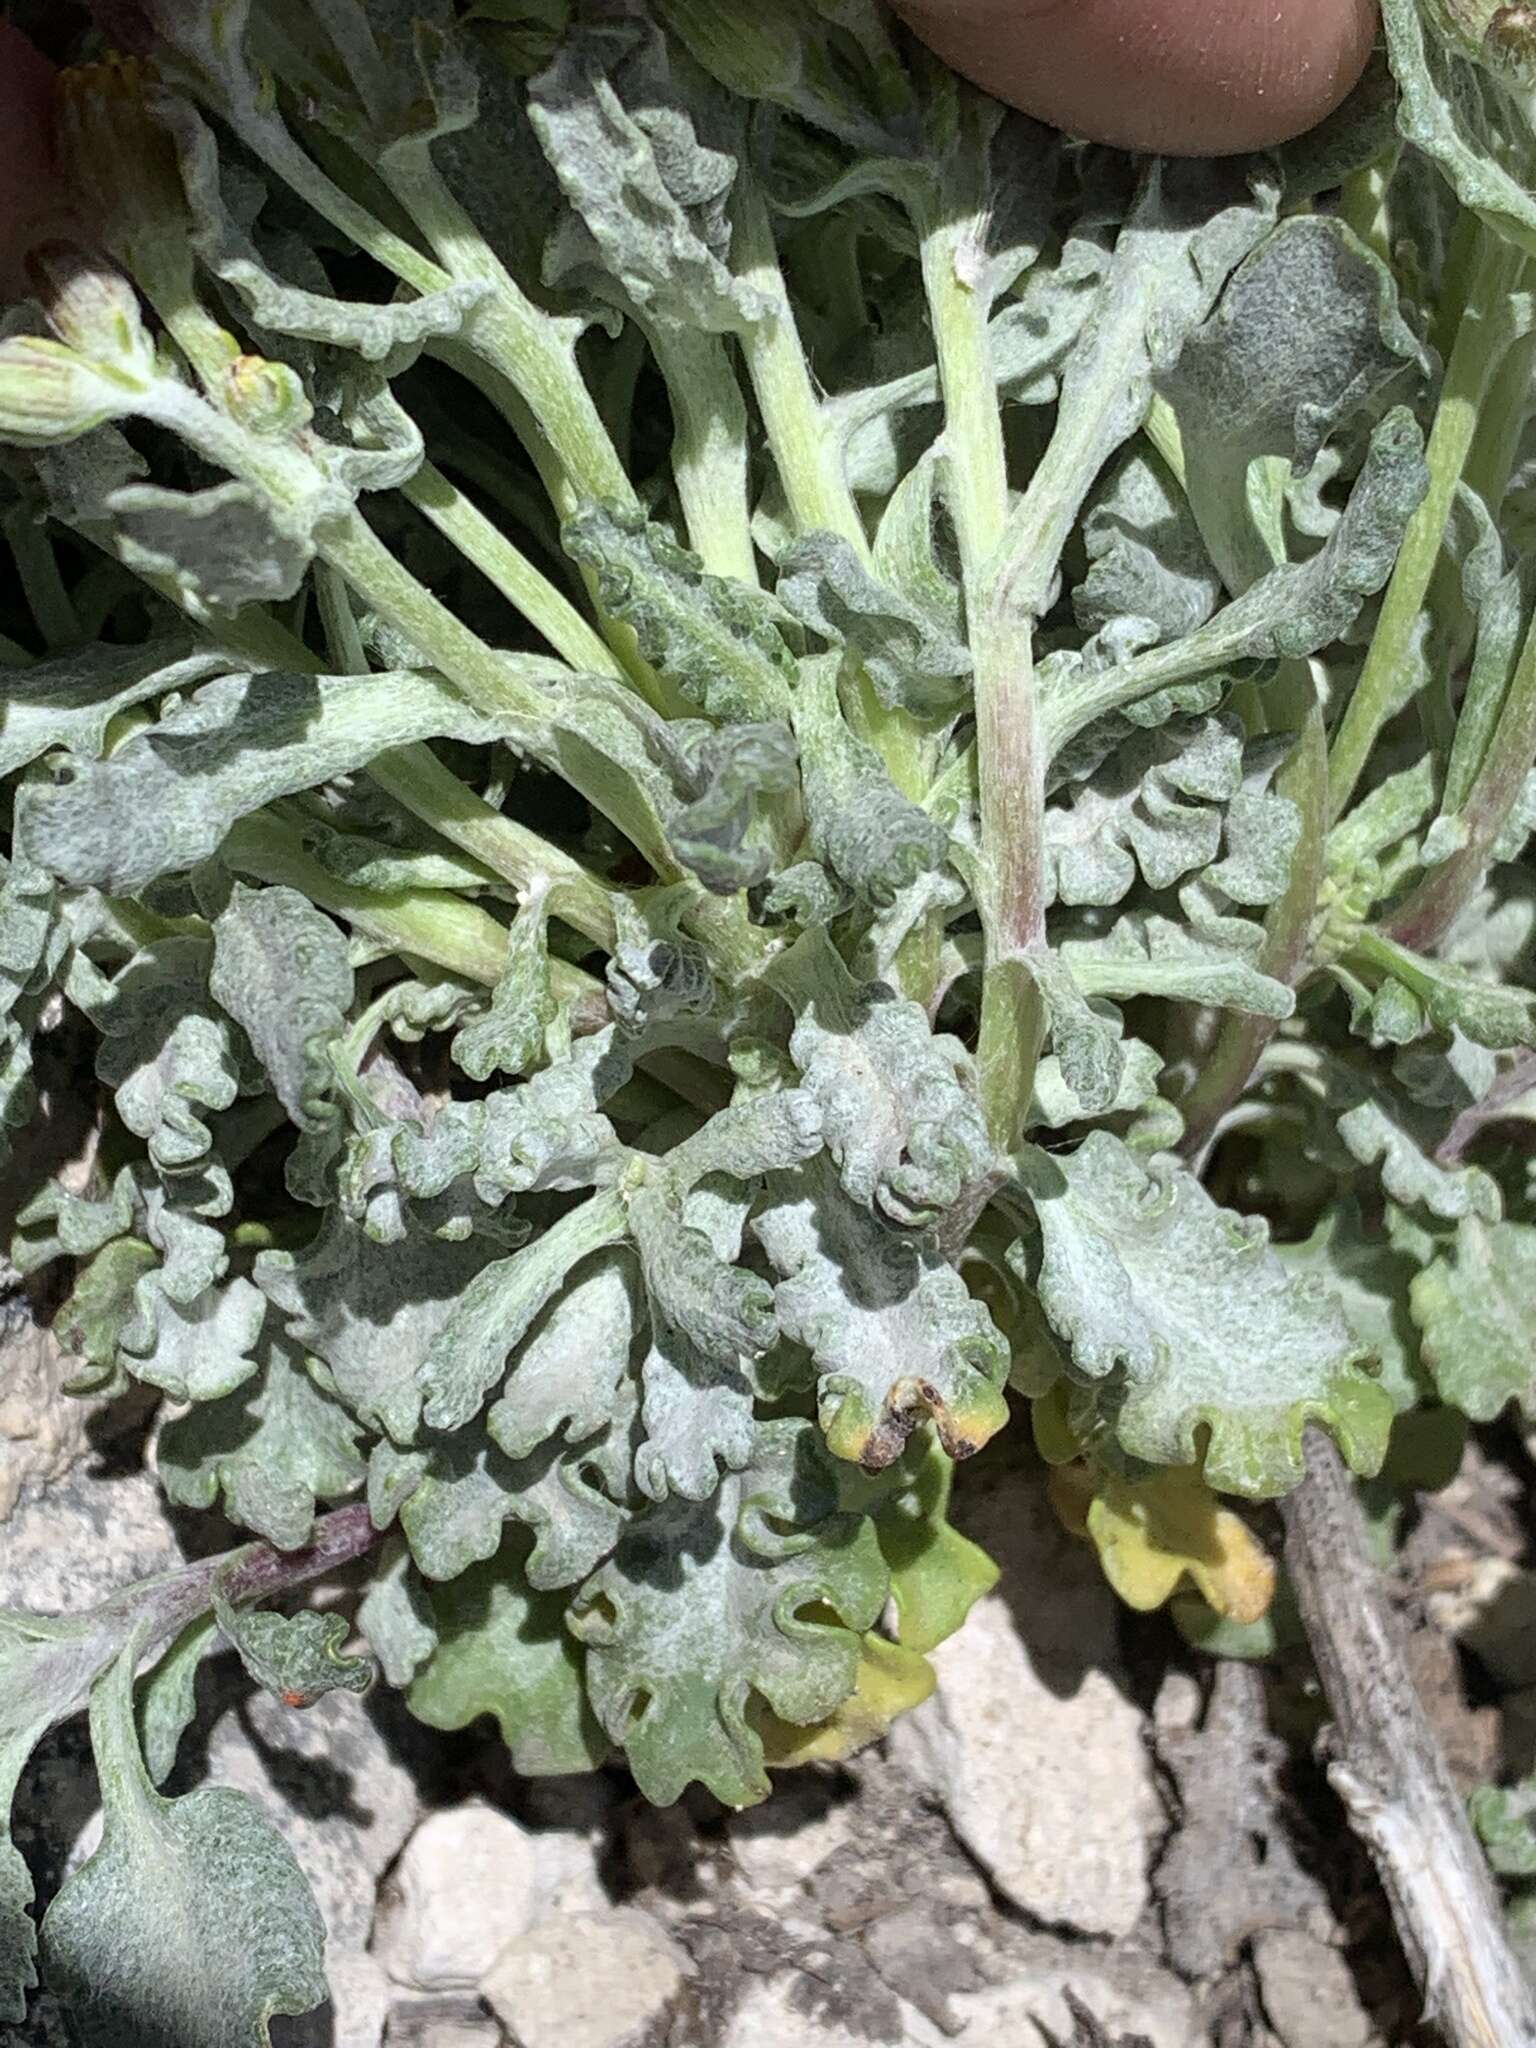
1125 1994
466 1883
772 2015
778 1845
586 1980
1032 1748
1309 1993
42 1429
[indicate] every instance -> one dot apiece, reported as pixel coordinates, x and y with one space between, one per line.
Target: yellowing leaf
892 1681
1154 1533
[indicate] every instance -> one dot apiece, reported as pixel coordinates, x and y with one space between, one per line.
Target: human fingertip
1183 77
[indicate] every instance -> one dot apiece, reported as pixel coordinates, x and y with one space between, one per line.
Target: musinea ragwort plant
721 753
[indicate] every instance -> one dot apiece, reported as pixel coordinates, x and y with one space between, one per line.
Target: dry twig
1388 1770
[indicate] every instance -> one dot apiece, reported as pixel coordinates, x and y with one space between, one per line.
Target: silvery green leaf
705 1606
655 973
219 548
168 1696
1384 817
713 833
567 1373
395 1615
46 1670
1142 1065
1369 1279
1085 1040
164 1050
58 1224
370 1312
464 1489
512 1034
723 1310
898 1106
838 69
1153 956
33 937
545 1135
373 332
1260 377
71 699
1146 557
1291 613
912 658
504 1650
1483 1010
1395 1138
907 554
1190 224
649 197
1161 802
1465 103
296 1657
1262 831
718 641
167 797
270 1450
696 1410
280 969
202 1350
191 1922
895 1334
862 828
468 1353
1186 1315
804 893
1472 1305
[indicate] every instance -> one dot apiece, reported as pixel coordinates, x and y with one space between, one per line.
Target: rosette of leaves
659 904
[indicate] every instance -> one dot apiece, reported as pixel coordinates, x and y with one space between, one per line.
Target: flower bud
49 393
1501 38
119 159
266 397
92 307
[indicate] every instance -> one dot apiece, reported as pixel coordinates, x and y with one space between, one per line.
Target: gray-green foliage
642 977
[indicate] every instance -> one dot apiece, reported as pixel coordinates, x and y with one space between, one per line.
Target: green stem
709 446
803 451
1241 1038
535 353
1483 337
531 594
1365 204
42 587
1428 913
431 923
1011 771
486 679
807 457
415 777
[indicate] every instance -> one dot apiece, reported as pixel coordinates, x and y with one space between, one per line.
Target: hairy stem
1010 767
1424 918
535 353
709 446
531 594
1241 1039
417 779
1483 337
